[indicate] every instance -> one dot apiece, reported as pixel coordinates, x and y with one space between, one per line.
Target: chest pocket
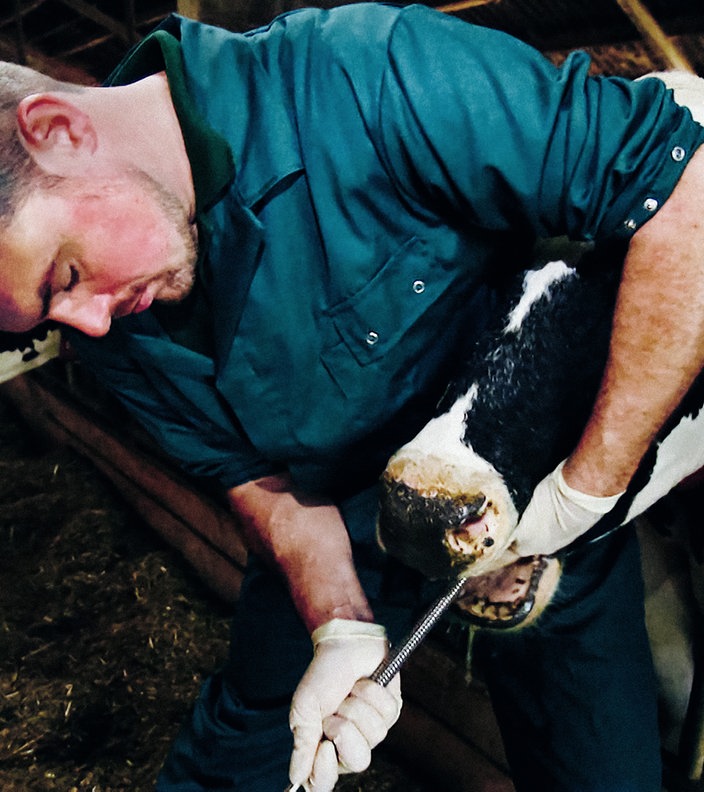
393 306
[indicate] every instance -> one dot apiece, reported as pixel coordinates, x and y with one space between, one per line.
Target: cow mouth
511 597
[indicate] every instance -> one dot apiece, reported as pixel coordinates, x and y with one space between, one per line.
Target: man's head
87 230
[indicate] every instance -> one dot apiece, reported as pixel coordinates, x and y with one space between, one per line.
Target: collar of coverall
209 154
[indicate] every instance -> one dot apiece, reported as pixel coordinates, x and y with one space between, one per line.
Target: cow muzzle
442 534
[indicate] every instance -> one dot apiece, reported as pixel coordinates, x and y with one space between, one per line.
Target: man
335 200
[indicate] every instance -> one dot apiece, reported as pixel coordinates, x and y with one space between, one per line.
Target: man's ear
57 134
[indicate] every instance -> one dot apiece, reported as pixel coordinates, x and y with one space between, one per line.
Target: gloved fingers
306 741
325 772
385 700
354 753
365 718
362 721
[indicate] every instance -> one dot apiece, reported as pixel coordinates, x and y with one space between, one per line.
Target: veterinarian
273 247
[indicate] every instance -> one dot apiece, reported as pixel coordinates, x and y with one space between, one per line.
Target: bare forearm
657 346
306 541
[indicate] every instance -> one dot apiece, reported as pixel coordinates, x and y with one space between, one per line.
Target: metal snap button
418 286
650 204
372 337
678 153
631 224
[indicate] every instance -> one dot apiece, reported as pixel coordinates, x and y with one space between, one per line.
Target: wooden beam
54 67
84 46
103 20
188 8
24 9
654 35
206 533
463 5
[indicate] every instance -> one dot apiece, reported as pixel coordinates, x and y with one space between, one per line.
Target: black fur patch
536 388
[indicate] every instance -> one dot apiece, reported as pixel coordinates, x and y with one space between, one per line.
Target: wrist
347 628
325 591
601 479
598 504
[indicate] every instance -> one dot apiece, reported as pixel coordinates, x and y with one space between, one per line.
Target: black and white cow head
443 507
451 497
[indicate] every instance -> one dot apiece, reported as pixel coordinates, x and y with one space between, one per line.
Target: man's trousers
574 694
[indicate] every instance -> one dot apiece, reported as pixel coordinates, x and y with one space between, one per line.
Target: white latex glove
337 714
557 515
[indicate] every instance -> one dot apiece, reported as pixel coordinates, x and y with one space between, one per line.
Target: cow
452 496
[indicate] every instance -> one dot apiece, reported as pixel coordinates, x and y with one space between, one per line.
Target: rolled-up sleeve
494 134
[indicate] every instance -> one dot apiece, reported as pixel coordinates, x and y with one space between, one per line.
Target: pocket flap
381 313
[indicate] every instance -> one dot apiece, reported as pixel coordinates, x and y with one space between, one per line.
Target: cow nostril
474 509
488 541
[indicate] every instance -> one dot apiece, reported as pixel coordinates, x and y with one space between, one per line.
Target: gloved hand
337 714
557 515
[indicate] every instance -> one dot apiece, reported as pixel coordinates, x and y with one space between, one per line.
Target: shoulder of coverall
251 87
208 153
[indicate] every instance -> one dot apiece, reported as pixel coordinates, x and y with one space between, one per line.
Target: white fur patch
536 284
442 437
437 460
679 455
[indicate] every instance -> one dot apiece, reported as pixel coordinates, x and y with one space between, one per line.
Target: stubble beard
180 277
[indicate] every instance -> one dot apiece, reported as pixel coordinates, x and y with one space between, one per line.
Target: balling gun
391 665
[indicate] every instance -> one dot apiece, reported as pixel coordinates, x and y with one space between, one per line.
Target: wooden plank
463 5
116 28
654 35
206 533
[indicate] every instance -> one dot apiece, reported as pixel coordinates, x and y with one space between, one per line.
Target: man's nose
91 314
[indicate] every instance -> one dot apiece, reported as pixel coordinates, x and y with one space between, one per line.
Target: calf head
443 508
450 498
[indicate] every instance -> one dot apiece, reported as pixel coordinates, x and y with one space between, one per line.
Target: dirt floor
105 634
